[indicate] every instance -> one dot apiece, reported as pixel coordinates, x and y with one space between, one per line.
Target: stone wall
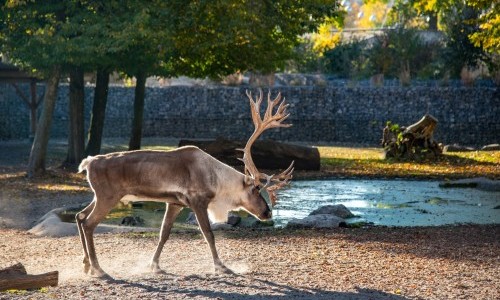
468 116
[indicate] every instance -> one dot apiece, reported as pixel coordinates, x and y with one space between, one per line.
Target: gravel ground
448 262
453 262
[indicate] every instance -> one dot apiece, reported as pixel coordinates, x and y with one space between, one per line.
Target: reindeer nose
268 214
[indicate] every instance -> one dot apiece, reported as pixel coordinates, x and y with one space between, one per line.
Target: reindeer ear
248 180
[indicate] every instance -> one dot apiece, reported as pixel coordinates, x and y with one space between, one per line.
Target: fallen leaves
368 162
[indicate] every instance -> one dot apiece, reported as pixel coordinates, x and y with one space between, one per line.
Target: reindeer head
262 185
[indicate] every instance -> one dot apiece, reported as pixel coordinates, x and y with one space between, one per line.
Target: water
391 202
381 202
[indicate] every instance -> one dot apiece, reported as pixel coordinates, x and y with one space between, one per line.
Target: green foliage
488 35
194 38
395 53
256 36
305 59
460 51
347 60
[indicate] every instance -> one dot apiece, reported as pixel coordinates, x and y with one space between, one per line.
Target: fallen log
266 154
16 277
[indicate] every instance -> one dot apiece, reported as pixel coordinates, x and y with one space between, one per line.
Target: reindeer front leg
204 223
171 213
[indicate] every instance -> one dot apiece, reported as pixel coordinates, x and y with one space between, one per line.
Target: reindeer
184 177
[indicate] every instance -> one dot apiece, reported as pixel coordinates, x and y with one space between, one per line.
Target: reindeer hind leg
100 209
80 217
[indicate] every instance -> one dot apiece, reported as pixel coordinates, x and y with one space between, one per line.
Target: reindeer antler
271 120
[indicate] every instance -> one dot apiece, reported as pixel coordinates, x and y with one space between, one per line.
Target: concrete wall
468 116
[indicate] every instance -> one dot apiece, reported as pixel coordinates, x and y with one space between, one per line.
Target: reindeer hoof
155 268
100 274
221 269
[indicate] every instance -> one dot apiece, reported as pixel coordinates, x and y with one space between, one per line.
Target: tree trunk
414 142
433 21
98 113
140 93
36 164
76 139
266 154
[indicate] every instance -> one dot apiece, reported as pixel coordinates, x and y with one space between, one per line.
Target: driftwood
266 154
413 142
15 277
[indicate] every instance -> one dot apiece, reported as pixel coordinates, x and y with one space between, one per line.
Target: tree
460 51
200 38
142 37
195 38
259 36
31 34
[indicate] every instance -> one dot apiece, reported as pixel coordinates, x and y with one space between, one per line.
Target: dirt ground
457 262
448 262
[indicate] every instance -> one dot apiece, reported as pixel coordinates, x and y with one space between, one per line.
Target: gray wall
468 116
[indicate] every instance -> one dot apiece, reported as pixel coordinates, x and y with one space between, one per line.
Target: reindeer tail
84 164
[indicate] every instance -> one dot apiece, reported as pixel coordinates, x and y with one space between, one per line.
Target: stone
132 221
338 210
233 219
220 226
252 222
457 148
491 147
191 219
317 221
481 183
52 225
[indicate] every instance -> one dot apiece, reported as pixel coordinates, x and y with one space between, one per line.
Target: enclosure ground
449 262
452 262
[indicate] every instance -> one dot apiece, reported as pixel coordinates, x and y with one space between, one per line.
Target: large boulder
317 221
338 210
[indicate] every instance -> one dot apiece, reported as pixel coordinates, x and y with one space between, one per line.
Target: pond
391 202
381 202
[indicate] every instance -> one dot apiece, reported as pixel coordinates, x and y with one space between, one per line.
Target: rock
52 225
317 221
220 226
457 148
491 147
338 210
191 219
252 222
481 183
233 219
132 221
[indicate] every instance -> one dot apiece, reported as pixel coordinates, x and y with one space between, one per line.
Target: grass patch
352 162
335 162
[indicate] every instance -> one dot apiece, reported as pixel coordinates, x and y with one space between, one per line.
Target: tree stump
413 142
266 154
15 277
